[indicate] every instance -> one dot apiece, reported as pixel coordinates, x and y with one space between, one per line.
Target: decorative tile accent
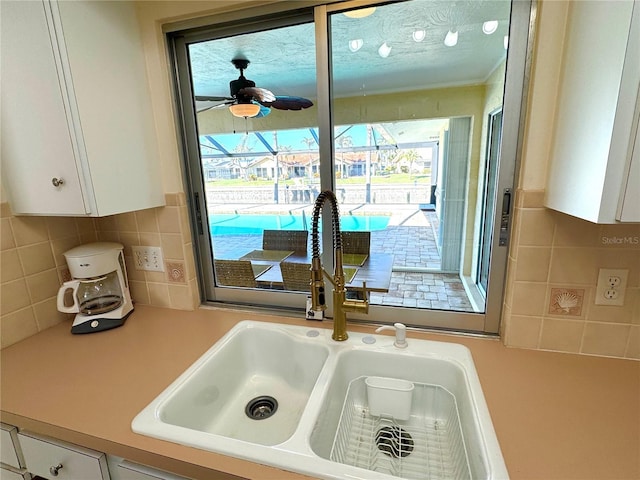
175 272
566 301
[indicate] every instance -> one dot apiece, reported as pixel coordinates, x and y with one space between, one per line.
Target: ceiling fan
247 100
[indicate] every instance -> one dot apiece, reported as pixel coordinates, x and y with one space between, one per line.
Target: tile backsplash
33 265
553 270
551 254
166 227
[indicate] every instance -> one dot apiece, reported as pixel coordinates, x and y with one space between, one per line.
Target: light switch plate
612 284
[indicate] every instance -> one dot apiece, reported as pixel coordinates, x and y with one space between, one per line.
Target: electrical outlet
613 281
148 258
611 286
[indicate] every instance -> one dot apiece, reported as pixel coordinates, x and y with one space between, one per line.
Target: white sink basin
247 386
322 425
442 438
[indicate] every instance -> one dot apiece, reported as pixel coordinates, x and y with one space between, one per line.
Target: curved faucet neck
340 303
322 198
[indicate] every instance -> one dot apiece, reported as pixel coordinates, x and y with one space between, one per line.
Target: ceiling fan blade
289 103
244 90
261 95
208 98
204 108
264 111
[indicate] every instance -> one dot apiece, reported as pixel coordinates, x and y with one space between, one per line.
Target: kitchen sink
246 387
291 397
440 435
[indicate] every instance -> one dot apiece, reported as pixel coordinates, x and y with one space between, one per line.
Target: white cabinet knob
54 470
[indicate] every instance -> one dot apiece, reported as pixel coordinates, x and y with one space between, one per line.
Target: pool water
235 224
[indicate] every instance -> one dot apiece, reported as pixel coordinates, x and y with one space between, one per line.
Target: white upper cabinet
630 204
78 135
594 164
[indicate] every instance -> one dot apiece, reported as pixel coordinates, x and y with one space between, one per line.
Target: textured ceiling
283 60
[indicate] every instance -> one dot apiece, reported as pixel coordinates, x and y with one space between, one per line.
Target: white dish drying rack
429 445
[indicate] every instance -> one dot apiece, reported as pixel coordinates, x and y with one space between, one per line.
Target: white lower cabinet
125 470
27 456
11 474
12 466
6 474
10 452
77 463
53 459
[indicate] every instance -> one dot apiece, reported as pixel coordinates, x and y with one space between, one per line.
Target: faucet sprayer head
318 301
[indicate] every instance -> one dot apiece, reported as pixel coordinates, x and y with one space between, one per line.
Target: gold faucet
341 305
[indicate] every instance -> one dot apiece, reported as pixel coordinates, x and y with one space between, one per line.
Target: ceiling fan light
360 13
355 45
244 109
419 35
451 39
489 27
384 50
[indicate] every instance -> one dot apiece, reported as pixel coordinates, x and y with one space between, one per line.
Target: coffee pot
99 292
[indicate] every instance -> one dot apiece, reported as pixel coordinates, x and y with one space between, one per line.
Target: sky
286 138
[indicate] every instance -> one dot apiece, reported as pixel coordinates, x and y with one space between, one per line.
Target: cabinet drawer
10 453
131 471
55 459
6 474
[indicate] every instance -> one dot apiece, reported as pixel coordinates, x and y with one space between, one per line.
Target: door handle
505 218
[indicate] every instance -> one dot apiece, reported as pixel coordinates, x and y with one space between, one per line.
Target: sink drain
261 407
394 441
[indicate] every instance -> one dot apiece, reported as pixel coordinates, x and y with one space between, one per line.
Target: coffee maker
99 289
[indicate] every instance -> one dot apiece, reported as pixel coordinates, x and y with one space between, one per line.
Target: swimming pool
245 224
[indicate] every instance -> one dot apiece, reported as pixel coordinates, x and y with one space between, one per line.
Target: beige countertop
557 416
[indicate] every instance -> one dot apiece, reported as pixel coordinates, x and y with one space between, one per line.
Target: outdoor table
374 269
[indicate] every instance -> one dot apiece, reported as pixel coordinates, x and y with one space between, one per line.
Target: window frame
180 35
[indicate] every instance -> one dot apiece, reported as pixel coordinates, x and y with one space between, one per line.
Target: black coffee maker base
98 324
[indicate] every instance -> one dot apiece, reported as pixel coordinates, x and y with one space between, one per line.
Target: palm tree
310 142
344 141
410 156
242 162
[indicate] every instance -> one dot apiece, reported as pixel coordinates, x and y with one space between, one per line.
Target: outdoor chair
296 276
356 242
235 273
291 240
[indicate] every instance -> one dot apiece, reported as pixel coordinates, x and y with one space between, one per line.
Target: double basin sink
291 397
